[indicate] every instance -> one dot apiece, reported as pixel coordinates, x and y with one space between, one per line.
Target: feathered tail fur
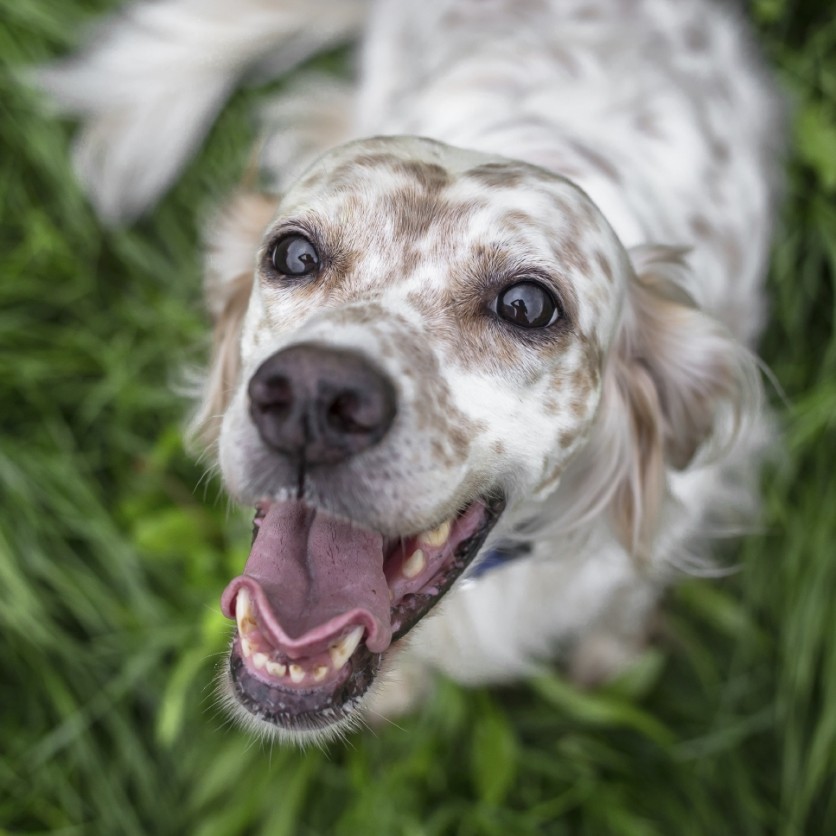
152 79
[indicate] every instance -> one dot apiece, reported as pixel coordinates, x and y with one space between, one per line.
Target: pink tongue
319 576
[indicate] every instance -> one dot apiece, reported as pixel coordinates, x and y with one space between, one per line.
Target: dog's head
429 339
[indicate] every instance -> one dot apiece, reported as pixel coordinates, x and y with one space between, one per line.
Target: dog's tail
151 81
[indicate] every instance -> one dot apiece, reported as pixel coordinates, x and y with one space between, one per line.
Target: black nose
321 405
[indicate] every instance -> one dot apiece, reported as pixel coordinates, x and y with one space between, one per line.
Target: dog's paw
600 657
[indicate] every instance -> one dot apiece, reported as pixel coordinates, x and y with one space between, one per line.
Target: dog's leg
609 645
150 82
506 622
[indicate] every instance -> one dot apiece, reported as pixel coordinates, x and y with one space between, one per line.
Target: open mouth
321 599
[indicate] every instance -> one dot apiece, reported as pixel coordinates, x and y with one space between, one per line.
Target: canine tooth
438 536
320 672
276 669
260 660
297 673
242 603
246 647
342 650
415 564
244 612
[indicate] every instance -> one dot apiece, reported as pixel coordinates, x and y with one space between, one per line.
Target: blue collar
498 556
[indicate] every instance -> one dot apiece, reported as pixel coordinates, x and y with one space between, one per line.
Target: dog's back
658 109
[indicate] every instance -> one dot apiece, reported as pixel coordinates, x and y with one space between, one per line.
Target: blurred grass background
112 560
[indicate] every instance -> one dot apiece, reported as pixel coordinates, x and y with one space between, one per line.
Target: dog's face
423 349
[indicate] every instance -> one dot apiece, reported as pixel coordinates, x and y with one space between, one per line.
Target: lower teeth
340 652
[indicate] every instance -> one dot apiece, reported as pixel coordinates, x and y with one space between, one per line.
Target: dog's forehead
432 188
405 213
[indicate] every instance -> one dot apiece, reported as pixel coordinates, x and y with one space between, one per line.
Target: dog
484 335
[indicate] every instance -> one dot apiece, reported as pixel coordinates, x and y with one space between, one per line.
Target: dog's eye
527 305
295 256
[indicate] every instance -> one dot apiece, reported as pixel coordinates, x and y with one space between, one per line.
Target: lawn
115 546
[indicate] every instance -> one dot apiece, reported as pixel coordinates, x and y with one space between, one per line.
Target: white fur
659 112
151 82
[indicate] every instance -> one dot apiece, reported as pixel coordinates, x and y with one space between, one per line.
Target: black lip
297 709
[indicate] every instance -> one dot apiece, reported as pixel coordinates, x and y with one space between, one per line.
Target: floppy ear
676 393
231 243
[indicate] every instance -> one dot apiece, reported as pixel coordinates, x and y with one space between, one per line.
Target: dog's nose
319 404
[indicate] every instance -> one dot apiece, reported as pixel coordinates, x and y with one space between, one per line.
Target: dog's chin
312 686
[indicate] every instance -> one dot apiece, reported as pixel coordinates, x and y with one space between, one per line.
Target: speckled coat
626 153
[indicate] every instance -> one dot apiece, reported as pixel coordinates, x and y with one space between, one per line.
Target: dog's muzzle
323 597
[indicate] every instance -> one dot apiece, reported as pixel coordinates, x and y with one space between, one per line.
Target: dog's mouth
321 600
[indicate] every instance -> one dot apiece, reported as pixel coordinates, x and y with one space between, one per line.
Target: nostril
347 413
271 394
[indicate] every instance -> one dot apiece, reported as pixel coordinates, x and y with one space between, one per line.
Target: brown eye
527 305
295 256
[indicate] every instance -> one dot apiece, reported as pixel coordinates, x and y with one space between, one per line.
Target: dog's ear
231 243
678 387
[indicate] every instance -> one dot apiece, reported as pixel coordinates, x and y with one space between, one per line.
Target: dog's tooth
352 639
438 536
414 564
342 650
320 672
297 673
260 660
246 647
244 612
242 602
276 669
338 658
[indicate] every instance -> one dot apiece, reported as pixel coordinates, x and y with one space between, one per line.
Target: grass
111 561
